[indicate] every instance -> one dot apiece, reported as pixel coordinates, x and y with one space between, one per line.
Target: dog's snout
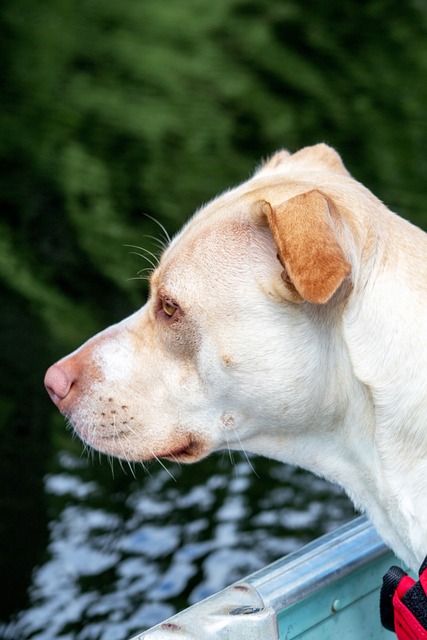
58 382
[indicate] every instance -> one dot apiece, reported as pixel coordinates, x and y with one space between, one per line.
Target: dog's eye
169 307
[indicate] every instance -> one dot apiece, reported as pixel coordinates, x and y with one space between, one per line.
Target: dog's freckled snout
58 382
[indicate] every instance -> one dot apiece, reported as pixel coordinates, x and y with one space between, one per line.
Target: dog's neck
350 458
386 336
377 453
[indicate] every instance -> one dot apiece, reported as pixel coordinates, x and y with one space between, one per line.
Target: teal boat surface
327 590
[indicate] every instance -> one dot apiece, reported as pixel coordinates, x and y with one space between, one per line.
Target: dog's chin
185 450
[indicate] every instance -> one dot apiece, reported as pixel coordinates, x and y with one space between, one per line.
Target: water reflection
123 555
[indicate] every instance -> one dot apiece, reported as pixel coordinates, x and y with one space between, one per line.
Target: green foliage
112 110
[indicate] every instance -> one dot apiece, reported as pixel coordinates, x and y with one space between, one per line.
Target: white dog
288 318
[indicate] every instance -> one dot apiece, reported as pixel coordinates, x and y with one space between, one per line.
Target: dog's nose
58 382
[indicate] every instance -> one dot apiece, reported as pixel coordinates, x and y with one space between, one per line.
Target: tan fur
307 246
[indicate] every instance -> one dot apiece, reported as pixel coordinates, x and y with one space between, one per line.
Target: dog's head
288 319
233 343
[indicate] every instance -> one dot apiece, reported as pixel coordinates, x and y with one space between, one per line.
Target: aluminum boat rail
328 589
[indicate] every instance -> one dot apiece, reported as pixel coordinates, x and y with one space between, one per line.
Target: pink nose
58 382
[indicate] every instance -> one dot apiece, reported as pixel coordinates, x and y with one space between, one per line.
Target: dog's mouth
189 452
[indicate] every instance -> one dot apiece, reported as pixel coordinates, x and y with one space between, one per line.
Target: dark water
123 550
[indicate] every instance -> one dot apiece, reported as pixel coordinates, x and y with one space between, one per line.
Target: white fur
339 388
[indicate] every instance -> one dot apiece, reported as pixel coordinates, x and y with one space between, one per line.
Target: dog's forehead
203 255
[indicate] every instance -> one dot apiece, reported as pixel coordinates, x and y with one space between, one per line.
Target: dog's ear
307 247
318 157
274 161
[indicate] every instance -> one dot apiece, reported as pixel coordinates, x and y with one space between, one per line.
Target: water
125 551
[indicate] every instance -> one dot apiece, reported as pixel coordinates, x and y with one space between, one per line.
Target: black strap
390 581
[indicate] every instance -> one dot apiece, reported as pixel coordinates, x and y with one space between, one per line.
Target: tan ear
307 246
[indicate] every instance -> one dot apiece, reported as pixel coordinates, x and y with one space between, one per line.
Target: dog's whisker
145 269
230 453
162 464
162 227
175 460
142 463
144 253
162 244
111 463
126 459
146 468
146 278
129 428
131 468
123 440
86 450
245 454
141 255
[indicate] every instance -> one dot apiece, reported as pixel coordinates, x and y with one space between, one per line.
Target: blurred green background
113 110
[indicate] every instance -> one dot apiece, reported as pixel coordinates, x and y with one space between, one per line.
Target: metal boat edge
327 589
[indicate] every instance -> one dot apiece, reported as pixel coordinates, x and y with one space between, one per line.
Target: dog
288 318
